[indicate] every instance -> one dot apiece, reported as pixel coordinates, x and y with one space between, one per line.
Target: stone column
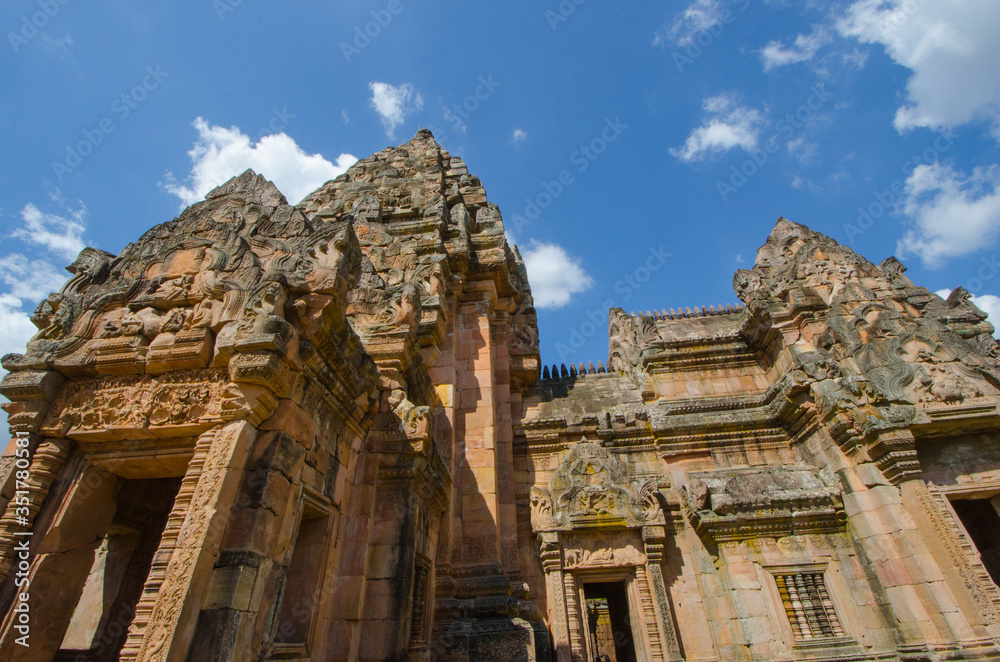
574 617
168 610
551 558
654 539
649 615
476 435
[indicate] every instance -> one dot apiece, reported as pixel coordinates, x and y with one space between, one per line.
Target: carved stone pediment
591 488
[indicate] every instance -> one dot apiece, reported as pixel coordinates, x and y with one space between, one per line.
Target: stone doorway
982 523
608 622
106 607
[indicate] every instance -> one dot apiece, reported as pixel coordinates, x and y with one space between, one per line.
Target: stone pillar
389 587
246 576
476 427
574 617
504 439
654 539
168 610
551 558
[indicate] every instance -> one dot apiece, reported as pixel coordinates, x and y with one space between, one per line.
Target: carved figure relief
591 483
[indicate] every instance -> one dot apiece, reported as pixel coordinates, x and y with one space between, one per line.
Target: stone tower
321 432
276 432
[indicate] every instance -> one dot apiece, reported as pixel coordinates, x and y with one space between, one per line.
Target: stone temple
323 432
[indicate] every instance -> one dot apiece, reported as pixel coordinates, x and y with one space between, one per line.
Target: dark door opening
983 524
608 622
104 612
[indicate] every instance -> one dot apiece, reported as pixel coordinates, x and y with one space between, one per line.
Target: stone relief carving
592 484
885 348
120 406
578 559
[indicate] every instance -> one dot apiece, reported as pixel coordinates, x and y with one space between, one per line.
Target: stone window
808 606
303 578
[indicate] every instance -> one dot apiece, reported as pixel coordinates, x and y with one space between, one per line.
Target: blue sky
640 152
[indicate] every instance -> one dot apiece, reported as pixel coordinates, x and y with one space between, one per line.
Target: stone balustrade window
808 606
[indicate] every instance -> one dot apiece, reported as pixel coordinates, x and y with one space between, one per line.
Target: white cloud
803 150
392 103
220 154
554 275
800 182
954 215
699 16
63 236
727 125
30 279
774 54
952 48
520 135
26 280
988 303
16 328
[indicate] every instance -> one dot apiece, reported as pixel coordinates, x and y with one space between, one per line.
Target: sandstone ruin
323 432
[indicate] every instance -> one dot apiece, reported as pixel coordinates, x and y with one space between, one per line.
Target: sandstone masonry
322 432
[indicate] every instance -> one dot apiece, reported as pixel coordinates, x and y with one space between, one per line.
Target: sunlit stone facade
323 432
